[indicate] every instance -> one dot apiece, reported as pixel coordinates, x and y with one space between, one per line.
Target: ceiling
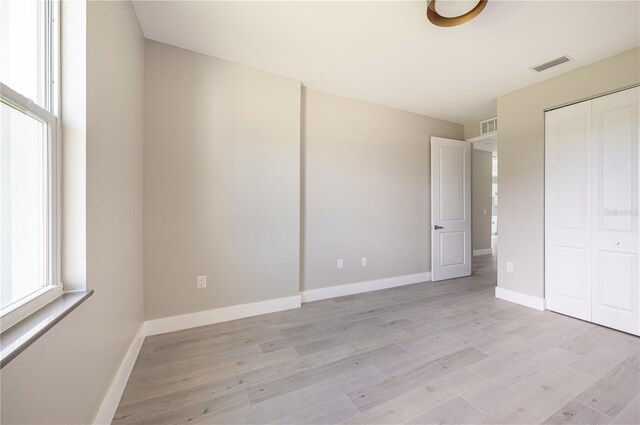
388 53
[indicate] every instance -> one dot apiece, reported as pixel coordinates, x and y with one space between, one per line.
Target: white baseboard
224 314
485 251
356 288
520 298
112 399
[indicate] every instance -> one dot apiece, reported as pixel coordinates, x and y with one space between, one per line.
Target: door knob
436 227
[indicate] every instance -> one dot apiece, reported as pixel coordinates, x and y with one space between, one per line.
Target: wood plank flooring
444 352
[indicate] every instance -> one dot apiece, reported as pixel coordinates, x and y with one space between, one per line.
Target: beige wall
366 189
521 156
63 377
227 169
222 183
471 130
481 179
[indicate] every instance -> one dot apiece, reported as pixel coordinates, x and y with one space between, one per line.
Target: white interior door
615 211
567 210
450 208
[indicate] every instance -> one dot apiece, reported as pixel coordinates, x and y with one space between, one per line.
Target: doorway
494 201
485 195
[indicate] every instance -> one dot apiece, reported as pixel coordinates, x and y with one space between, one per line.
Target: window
29 266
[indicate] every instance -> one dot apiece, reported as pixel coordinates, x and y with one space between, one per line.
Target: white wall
221 183
521 156
63 377
366 189
481 179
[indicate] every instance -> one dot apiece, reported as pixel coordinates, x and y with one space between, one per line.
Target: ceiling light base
442 21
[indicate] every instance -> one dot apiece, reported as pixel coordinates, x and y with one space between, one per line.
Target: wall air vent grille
551 63
488 126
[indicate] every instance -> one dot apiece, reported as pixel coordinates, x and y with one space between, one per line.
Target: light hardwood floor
445 352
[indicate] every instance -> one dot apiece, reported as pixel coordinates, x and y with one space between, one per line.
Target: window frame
49 115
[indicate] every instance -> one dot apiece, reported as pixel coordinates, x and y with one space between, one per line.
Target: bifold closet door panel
567 210
615 241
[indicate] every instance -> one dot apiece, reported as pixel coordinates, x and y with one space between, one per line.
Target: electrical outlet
364 261
340 263
509 266
201 282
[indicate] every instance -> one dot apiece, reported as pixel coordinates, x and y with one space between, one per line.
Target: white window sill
18 337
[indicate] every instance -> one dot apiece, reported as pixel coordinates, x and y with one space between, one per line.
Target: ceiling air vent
488 126
551 63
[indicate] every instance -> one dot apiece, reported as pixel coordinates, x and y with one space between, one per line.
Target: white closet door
615 211
567 210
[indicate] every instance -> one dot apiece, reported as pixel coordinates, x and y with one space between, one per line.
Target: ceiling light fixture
451 13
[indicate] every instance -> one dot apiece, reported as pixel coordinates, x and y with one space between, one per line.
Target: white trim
520 298
489 136
112 399
484 251
224 314
26 105
367 286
